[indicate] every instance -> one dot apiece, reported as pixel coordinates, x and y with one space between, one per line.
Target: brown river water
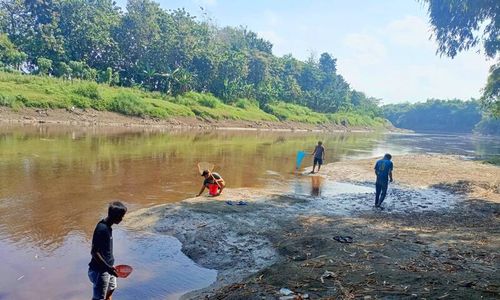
55 183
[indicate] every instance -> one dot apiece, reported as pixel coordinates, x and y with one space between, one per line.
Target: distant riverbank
437 236
91 117
33 99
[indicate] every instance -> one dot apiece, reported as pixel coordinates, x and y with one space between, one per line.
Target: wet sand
438 236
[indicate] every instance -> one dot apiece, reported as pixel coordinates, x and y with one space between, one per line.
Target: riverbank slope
91 117
33 99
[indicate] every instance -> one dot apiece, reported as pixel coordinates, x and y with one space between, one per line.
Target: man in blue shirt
383 170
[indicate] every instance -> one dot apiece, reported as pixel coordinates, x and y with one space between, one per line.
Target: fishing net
202 166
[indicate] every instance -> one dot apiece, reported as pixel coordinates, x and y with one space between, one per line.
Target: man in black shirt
102 274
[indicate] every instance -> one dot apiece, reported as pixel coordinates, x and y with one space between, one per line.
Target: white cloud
397 62
365 49
409 31
271 36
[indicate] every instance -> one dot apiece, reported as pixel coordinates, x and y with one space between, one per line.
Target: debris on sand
447 248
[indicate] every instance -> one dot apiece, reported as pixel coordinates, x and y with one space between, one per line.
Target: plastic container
123 270
213 189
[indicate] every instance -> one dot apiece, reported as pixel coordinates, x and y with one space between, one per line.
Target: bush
80 102
203 99
4 101
246 103
128 104
16 106
89 90
156 112
294 112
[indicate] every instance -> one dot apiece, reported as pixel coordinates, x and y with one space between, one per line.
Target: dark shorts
318 161
102 282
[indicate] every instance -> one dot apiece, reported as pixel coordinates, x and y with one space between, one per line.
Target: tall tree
459 25
10 56
87 27
491 94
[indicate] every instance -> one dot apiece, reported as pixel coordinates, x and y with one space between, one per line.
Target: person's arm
97 256
215 180
315 148
202 189
99 239
323 156
390 172
375 169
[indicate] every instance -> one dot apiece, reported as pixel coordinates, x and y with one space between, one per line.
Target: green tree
63 70
169 51
44 65
459 25
435 115
77 69
9 54
108 76
491 93
327 64
33 27
87 27
258 66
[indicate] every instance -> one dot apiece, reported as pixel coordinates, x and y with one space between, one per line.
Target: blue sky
382 47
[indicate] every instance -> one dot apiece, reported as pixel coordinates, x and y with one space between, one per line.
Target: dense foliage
435 115
170 52
20 91
459 25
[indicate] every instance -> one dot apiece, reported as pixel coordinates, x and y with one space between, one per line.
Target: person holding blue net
319 156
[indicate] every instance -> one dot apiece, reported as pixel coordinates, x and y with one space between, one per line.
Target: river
56 181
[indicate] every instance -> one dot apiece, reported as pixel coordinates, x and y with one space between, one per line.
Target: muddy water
55 183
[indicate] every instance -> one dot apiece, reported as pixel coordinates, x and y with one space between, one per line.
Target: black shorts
318 161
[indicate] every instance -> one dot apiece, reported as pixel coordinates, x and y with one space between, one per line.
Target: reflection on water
55 182
316 185
161 271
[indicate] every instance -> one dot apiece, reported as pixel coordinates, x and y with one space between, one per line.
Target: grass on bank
19 91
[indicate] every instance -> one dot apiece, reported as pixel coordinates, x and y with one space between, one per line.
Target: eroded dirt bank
438 236
90 117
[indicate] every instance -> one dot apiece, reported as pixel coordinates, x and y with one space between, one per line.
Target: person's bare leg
109 294
220 190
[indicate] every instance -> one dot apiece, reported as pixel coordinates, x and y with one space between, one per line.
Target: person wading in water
383 170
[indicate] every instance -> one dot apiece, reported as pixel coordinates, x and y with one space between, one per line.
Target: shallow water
161 270
341 198
55 183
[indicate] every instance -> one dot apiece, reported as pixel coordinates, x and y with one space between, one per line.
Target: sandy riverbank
438 236
90 117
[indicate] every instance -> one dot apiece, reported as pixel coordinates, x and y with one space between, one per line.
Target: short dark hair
320 142
205 172
388 156
116 209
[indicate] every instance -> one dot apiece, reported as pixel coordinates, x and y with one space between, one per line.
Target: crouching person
210 179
